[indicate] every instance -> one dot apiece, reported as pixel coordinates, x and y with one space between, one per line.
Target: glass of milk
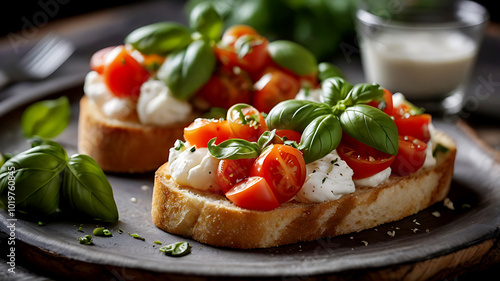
423 49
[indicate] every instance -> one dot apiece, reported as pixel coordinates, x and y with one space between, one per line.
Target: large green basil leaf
159 38
233 149
371 126
185 71
87 191
320 137
335 89
327 70
295 114
47 118
205 19
293 56
365 92
31 180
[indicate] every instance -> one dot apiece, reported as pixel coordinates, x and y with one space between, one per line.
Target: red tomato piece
227 87
242 46
364 160
283 168
98 58
387 106
231 172
411 156
289 135
123 74
202 130
416 126
253 193
274 86
246 122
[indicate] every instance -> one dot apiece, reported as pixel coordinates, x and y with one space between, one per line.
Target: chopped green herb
439 148
179 145
323 181
178 249
136 236
120 230
80 228
157 242
193 149
41 223
101 231
87 240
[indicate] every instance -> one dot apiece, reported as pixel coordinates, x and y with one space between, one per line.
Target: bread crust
212 219
124 146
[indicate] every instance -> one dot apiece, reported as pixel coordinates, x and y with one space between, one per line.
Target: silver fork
39 62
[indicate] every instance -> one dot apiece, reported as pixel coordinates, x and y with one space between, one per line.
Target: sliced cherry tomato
416 126
98 58
284 169
411 156
227 87
253 193
202 130
289 135
246 122
123 74
274 86
387 105
242 46
231 172
364 160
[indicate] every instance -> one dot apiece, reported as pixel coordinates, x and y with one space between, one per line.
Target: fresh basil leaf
327 70
266 138
87 191
159 38
320 137
37 141
178 249
33 176
233 149
205 19
47 118
187 70
295 114
371 127
293 56
335 89
365 92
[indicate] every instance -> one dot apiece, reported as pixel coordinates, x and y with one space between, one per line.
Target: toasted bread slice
212 219
124 146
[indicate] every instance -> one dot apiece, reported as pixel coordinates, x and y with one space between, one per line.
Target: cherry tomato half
253 193
231 172
123 74
387 105
283 168
411 156
274 86
364 160
246 122
416 126
227 87
202 130
242 46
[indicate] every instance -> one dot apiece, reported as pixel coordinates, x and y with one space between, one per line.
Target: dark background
20 13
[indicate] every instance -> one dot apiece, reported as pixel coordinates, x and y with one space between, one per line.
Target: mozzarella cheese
194 167
157 106
376 179
327 179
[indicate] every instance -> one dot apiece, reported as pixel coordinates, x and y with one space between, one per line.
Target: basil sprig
239 148
32 181
159 38
344 109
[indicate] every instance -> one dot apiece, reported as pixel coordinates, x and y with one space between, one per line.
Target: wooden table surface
87 32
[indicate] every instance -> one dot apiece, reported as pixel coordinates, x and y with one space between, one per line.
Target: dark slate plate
417 239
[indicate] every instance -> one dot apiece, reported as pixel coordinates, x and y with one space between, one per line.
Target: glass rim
473 13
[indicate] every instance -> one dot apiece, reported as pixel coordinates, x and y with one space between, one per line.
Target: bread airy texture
124 146
212 219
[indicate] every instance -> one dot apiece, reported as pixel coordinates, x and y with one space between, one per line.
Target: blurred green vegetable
159 38
47 118
293 56
205 19
319 25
